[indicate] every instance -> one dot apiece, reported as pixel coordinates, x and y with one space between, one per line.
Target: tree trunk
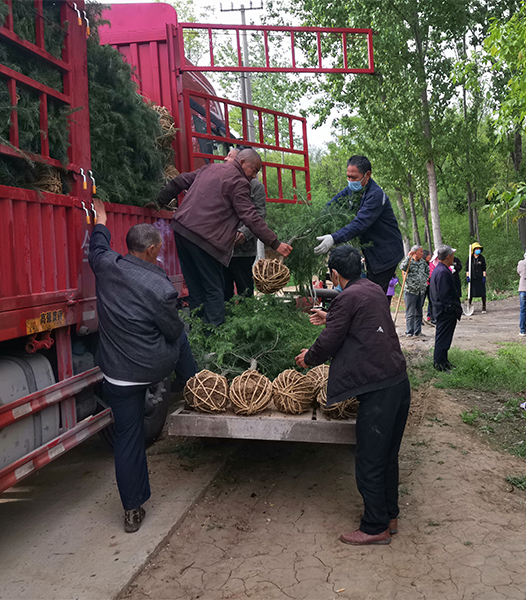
416 233
476 224
470 209
428 139
403 221
425 212
522 226
516 154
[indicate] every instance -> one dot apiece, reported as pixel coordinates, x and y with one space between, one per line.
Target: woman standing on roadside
478 275
521 270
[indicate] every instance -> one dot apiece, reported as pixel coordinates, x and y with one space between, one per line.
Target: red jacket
218 199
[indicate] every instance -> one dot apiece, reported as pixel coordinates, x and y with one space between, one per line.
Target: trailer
48 313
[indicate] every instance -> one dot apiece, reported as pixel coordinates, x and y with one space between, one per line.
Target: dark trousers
239 271
444 330
204 277
380 425
383 278
131 469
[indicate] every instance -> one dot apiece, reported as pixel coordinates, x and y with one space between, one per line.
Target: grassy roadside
491 387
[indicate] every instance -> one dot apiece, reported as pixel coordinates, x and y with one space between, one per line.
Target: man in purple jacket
367 363
206 224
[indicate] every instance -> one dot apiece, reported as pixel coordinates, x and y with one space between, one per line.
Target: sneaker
408 335
133 519
522 334
421 334
483 312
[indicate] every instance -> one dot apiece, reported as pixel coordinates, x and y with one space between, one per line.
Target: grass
476 370
519 481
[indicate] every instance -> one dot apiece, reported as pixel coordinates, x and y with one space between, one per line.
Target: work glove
484 280
467 278
327 242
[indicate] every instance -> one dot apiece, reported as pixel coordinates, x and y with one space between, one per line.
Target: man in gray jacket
239 271
142 341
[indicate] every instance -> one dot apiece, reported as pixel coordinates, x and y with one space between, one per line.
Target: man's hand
102 217
300 359
240 239
327 242
318 316
284 249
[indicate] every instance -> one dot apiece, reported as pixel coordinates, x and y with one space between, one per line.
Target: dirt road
268 529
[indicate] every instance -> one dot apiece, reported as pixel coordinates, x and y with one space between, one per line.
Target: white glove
327 242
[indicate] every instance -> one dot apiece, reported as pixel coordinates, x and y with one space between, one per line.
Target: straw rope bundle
319 376
250 393
207 392
270 275
343 410
48 180
293 393
167 123
170 172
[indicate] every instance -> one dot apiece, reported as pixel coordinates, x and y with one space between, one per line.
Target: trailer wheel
156 410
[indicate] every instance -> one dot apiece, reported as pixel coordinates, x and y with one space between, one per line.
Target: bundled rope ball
48 179
343 410
293 392
207 392
319 376
250 393
270 275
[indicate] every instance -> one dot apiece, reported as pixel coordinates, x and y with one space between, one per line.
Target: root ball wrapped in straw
319 376
270 275
250 393
293 393
207 392
343 410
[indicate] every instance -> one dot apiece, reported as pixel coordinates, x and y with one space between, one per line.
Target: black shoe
443 368
450 366
421 334
133 519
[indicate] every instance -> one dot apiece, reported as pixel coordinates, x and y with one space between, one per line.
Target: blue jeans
413 313
522 325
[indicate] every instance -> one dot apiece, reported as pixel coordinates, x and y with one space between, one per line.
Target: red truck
48 315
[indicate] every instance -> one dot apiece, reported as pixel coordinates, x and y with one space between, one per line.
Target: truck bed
311 426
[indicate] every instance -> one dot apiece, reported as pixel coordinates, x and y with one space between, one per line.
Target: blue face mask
339 288
355 186
477 252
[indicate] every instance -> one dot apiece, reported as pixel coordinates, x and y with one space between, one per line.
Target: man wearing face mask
375 224
478 275
367 363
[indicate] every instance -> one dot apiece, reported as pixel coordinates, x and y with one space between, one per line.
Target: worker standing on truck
367 363
375 224
239 271
142 341
206 224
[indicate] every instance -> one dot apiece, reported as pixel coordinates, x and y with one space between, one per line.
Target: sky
315 137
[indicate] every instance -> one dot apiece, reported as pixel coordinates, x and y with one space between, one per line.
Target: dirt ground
268 528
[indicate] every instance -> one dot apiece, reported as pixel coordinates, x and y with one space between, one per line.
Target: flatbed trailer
311 426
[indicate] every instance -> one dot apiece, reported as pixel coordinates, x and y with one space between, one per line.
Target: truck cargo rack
310 426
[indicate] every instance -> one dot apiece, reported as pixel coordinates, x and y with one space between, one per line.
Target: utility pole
246 81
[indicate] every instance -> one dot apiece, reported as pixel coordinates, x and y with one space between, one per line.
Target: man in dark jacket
141 342
446 306
375 224
367 363
206 223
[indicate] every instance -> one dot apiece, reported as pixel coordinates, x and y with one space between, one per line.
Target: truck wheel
155 413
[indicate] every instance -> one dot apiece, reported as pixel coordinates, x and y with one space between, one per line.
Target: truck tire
155 413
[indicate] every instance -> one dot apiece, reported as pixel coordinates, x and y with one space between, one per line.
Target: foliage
506 44
479 371
300 224
267 329
508 203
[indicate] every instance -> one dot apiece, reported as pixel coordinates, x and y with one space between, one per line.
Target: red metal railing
279 138
358 37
